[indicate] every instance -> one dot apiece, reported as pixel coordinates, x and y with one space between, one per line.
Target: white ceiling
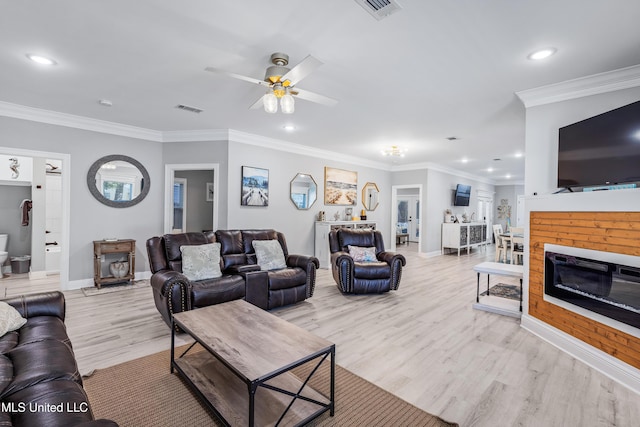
432 70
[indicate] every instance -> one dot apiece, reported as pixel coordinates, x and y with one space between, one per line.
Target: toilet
4 238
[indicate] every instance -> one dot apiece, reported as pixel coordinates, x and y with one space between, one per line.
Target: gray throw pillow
10 319
269 254
201 262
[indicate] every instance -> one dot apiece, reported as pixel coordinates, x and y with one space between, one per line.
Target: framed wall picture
209 191
340 187
255 186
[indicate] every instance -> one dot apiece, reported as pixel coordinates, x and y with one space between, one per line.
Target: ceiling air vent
380 8
189 109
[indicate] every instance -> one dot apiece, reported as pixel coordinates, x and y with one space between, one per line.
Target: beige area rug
116 287
143 393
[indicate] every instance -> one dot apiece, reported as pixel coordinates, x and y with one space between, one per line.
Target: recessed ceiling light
41 59
490 170
508 176
289 128
465 160
105 102
518 155
542 53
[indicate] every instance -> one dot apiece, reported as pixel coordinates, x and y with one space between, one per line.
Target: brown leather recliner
173 292
375 276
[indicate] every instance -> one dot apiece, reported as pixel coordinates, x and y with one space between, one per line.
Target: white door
485 213
409 217
520 211
179 205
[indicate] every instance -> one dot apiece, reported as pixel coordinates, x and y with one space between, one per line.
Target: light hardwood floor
423 343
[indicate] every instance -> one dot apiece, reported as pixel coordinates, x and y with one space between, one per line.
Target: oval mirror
118 181
370 194
303 191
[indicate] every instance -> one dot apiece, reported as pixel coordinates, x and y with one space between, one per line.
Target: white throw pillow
201 262
10 319
269 254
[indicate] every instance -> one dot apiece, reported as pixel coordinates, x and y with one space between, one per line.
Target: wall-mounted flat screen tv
601 150
462 195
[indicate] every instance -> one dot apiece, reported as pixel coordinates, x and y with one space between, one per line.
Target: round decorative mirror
118 181
370 194
303 191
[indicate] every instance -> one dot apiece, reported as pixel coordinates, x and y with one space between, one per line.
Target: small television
602 150
462 195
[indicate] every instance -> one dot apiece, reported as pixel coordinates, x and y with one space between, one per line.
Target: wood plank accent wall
617 232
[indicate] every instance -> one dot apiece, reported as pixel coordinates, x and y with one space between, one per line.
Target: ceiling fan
280 82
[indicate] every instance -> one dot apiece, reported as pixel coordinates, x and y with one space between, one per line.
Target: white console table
463 235
323 228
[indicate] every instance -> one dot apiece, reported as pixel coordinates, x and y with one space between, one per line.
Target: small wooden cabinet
322 237
463 235
106 251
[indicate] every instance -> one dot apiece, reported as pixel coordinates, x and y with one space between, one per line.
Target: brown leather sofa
378 275
39 376
242 277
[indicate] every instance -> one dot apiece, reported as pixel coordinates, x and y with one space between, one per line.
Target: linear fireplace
601 282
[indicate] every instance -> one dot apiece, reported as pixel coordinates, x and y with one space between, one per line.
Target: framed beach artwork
255 186
340 187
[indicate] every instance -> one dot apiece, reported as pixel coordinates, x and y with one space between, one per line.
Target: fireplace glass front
606 288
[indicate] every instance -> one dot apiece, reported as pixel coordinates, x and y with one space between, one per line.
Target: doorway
406 214
485 212
197 202
58 162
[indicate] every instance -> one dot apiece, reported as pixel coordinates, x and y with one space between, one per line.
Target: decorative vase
119 268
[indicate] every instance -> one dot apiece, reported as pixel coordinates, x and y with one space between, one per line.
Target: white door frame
394 214
66 208
169 172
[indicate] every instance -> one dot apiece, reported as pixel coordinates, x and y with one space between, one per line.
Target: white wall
511 193
542 124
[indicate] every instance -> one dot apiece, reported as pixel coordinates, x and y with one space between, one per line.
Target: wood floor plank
423 343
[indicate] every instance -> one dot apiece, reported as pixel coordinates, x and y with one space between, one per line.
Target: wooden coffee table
244 374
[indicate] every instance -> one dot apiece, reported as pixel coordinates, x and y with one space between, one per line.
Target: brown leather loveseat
39 376
241 277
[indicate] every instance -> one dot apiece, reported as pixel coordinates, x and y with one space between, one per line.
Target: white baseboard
37 275
86 283
614 368
430 254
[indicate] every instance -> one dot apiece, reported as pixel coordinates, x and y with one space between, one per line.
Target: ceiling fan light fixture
270 102
287 103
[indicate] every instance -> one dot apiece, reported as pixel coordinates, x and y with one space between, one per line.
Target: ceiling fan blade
258 104
314 97
302 70
238 76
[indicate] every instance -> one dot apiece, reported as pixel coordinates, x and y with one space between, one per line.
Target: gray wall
511 193
438 188
90 219
281 214
203 152
199 211
10 219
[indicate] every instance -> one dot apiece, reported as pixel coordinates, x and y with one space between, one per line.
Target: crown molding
79 122
443 169
290 147
16 111
195 135
609 81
